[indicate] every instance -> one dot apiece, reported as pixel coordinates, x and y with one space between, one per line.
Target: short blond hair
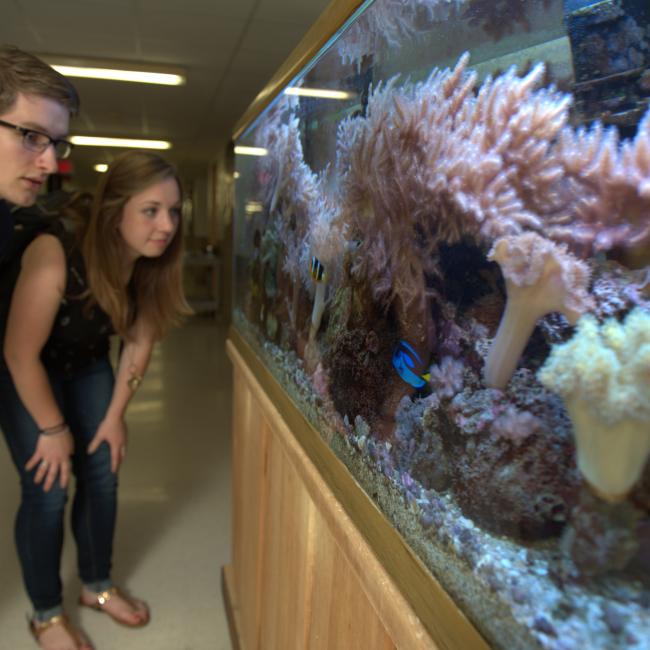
21 72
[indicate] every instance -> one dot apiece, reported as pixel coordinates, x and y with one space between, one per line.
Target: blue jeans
83 399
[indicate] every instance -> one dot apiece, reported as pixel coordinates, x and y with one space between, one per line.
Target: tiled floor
174 520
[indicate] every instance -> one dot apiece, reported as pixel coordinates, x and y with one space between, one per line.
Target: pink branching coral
515 425
306 217
432 162
489 155
294 197
498 163
541 277
274 136
381 159
603 200
297 187
447 377
390 23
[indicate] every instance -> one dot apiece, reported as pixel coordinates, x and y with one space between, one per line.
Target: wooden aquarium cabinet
314 562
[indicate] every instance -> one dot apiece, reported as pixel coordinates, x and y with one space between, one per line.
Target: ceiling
228 48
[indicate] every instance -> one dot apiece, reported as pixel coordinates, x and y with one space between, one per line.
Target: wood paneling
341 614
285 573
249 461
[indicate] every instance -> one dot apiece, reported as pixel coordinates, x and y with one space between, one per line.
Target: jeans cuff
42 615
99 585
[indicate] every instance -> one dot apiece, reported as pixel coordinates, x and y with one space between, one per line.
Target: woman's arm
132 366
34 305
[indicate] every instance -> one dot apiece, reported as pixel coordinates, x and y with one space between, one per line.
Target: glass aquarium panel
445 262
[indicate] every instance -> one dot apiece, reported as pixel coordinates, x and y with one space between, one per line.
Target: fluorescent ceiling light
101 167
136 76
253 206
88 141
318 92
250 151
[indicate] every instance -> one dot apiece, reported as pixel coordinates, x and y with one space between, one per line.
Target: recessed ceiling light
318 92
250 151
91 141
135 76
101 167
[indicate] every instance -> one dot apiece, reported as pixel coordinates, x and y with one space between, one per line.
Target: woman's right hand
52 456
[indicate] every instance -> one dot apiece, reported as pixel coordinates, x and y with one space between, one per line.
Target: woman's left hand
114 433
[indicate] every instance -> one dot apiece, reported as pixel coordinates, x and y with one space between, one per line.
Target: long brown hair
155 289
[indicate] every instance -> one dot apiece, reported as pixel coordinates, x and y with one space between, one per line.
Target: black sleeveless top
80 334
6 228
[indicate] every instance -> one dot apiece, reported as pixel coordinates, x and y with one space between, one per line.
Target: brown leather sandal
37 628
102 598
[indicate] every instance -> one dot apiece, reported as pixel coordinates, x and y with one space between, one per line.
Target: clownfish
405 358
317 270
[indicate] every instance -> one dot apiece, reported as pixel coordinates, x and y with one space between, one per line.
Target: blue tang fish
405 358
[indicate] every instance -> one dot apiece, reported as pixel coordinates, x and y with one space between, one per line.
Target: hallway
173 533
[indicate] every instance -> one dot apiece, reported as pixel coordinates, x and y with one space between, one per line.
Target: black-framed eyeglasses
39 142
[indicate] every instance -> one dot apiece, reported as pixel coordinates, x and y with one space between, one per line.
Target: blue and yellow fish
317 270
405 358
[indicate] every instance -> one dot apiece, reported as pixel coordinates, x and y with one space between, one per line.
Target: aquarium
442 253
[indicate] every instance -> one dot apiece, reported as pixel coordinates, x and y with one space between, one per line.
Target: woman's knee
37 499
94 470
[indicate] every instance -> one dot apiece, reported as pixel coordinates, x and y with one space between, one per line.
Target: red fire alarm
65 167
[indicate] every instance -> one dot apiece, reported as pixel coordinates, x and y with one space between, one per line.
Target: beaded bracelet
52 431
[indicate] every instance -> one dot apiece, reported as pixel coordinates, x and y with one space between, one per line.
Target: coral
498 18
294 192
541 277
291 264
447 377
603 200
304 214
617 290
390 23
452 164
431 163
523 488
473 411
418 448
319 381
327 244
600 537
603 375
515 425
511 455
357 374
